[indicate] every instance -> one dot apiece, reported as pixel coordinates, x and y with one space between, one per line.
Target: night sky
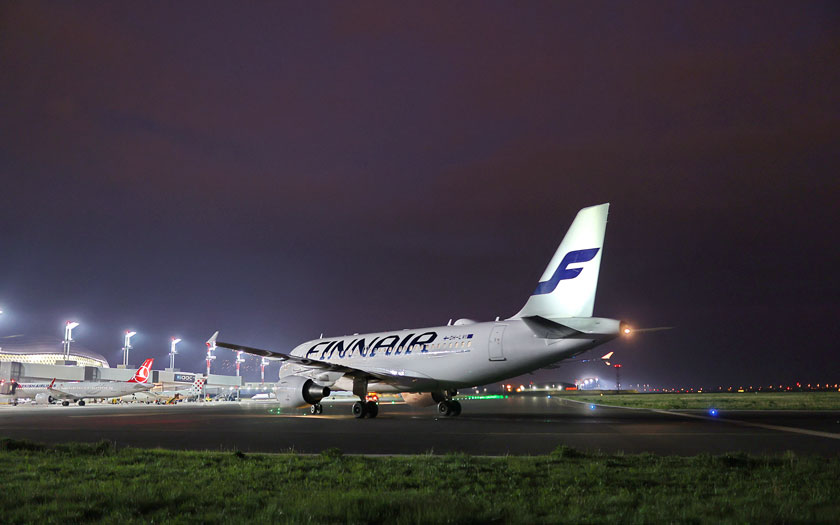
277 170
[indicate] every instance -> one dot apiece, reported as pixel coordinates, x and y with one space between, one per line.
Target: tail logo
563 272
142 374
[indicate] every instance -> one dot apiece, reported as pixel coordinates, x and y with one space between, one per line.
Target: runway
517 425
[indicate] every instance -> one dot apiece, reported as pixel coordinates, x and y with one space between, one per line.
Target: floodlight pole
211 347
127 346
172 353
68 338
239 360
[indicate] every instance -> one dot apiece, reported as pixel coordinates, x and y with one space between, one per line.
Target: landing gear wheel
316 409
65 403
359 410
444 408
81 403
320 408
372 409
456 408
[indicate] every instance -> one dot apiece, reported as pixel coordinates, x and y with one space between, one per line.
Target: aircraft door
495 346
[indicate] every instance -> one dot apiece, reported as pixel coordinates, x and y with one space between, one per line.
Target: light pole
617 377
127 346
68 338
263 364
211 347
239 361
172 353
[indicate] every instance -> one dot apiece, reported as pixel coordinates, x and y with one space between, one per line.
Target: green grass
82 483
721 401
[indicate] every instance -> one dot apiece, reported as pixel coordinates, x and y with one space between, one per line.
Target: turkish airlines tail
567 287
142 373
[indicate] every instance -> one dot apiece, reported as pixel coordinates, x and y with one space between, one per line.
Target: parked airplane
169 396
79 391
38 392
428 365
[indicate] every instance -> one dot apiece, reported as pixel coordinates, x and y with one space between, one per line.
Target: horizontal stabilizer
548 329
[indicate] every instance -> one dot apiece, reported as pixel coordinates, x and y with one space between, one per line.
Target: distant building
46 350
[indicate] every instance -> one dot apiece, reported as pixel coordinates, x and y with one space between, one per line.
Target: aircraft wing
61 394
390 376
280 356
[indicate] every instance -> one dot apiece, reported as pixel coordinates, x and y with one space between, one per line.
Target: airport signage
184 378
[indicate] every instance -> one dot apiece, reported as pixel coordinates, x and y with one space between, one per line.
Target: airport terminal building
47 350
33 360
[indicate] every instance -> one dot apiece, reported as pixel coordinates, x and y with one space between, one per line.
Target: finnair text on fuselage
387 345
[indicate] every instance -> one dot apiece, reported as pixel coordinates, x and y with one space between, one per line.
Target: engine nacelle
297 391
43 399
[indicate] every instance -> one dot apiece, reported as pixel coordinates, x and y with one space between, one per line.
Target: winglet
211 343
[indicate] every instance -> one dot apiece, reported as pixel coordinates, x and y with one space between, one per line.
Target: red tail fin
142 373
51 384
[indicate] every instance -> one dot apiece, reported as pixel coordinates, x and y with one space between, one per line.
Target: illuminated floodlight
172 352
68 337
127 345
713 412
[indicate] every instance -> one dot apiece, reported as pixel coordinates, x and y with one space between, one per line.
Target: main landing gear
449 408
446 406
316 409
365 409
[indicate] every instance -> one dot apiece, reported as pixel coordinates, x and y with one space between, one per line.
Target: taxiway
517 425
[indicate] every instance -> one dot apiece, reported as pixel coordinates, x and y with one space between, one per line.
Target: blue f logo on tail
562 272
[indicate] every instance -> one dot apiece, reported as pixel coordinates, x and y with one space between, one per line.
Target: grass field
82 483
721 401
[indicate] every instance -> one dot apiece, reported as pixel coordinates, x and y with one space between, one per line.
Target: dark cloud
283 170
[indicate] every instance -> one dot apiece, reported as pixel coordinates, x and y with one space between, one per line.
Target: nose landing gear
316 409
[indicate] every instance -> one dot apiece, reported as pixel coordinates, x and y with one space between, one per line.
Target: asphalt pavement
516 425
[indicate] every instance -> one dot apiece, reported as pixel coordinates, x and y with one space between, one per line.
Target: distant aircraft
169 396
79 391
430 364
38 392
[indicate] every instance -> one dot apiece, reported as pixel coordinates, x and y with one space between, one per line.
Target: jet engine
297 391
43 399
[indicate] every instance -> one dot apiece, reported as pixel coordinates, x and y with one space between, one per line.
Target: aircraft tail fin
198 384
142 373
567 287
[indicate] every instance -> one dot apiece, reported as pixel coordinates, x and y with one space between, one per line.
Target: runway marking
780 428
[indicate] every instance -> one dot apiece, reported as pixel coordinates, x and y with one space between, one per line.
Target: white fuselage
96 389
28 390
448 357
